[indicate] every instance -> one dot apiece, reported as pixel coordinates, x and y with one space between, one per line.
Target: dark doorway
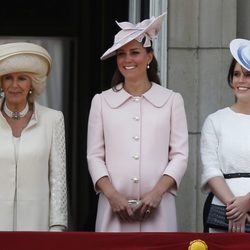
96 34
91 25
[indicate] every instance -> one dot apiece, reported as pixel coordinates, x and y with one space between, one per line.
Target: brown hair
231 72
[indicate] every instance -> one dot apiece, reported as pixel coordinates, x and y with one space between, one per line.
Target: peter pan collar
156 95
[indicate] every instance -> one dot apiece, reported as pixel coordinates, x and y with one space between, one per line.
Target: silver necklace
15 115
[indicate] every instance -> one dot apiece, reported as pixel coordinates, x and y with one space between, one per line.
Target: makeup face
132 60
241 83
16 87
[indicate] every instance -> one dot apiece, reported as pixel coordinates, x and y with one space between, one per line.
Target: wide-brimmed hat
240 50
147 29
24 57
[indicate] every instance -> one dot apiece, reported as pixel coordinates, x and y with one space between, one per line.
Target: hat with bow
147 29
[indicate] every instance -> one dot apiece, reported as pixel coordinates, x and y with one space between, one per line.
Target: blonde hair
38 86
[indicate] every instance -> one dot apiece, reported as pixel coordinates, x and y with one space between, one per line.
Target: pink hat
148 29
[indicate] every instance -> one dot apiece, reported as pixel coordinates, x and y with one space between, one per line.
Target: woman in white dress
225 149
33 195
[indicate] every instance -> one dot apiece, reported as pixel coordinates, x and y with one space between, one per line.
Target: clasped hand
120 206
237 213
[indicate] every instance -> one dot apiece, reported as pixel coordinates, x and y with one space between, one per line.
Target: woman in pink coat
137 139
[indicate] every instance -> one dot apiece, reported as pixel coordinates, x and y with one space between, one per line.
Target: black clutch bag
217 218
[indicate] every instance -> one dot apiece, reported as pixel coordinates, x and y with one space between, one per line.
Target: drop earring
1 93
148 66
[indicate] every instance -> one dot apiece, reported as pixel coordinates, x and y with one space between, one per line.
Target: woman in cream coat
32 150
137 140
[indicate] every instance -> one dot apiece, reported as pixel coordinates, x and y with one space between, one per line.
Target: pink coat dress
134 141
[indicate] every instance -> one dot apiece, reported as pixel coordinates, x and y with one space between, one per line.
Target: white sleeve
209 144
58 186
57 229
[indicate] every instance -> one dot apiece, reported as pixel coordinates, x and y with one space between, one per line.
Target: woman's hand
149 202
117 201
119 206
239 225
238 207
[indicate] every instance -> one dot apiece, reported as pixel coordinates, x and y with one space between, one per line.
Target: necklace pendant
16 115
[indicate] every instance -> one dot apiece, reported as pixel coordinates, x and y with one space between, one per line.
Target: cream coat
39 179
134 141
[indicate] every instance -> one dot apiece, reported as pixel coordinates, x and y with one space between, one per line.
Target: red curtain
117 241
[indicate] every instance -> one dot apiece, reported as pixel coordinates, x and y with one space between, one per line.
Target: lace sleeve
58 186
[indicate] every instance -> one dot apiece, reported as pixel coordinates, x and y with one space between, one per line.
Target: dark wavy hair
231 72
152 72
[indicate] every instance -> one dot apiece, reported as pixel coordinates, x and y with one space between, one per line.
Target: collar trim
156 95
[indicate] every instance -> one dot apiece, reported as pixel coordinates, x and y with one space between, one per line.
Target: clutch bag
217 218
134 204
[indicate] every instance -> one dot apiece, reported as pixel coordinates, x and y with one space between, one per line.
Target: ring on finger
236 215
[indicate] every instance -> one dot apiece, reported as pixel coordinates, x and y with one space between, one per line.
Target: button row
136 99
136 138
135 180
136 157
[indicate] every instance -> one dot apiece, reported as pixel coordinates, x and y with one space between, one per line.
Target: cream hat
24 57
29 58
148 29
240 49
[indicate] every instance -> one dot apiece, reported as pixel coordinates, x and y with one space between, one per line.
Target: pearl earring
30 92
148 66
1 93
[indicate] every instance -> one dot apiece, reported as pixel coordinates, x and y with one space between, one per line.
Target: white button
136 99
136 157
136 118
135 180
136 138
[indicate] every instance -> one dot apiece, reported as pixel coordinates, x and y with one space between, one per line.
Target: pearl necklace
15 115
